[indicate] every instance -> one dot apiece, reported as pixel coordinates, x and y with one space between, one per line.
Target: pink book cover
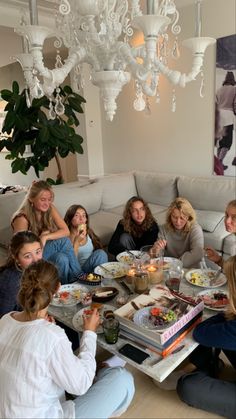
135 315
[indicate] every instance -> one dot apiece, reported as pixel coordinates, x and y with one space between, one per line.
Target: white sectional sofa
105 198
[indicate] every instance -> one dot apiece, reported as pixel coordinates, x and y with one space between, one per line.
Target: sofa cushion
9 203
104 224
89 196
230 245
117 189
156 188
207 193
209 220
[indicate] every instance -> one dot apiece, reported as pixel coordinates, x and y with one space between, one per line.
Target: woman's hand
159 245
44 237
213 255
50 319
92 322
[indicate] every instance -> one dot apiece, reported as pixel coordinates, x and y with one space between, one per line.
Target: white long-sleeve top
36 366
187 247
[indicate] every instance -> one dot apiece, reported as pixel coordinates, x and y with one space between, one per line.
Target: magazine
159 316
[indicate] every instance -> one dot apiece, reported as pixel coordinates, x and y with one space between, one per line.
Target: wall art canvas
225 107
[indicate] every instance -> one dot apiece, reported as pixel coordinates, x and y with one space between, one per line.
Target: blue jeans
61 253
109 396
98 257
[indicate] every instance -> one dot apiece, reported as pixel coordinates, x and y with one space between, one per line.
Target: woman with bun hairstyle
181 236
37 364
38 214
87 245
25 248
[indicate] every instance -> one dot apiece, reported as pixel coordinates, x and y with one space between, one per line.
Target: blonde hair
186 209
27 210
230 272
39 282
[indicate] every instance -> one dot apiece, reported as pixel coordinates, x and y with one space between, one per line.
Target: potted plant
32 125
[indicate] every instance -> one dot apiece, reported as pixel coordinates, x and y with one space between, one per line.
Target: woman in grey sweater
181 236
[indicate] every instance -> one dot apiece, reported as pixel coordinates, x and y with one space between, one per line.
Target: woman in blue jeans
38 365
38 214
87 245
202 388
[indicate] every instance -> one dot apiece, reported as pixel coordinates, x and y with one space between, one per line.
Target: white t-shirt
85 251
36 366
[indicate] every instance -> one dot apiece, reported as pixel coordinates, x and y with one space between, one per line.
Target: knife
125 286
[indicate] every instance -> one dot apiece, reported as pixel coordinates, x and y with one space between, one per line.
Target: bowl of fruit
155 318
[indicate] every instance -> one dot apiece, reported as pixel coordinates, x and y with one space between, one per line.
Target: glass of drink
111 328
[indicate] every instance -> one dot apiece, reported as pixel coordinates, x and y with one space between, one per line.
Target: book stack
137 325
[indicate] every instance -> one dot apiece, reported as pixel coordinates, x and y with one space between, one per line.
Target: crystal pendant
59 107
27 98
202 87
58 60
52 113
36 91
175 51
173 106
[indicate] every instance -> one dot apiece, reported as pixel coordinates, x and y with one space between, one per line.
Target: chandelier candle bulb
198 23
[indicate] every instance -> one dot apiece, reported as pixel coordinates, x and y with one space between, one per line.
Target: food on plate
198 278
103 293
64 295
76 294
93 277
160 317
98 306
217 299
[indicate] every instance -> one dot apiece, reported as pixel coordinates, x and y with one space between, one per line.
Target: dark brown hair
18 240
70 213
39 283
129 224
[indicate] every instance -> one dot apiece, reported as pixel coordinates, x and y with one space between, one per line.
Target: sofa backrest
117 189
156 188
9 203
89 196
207 193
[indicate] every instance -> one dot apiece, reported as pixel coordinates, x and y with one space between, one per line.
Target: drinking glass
111 328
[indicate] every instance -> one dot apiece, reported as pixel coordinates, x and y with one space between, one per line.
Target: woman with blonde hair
87 245
181 236
37 364
137 228
202 388
38 214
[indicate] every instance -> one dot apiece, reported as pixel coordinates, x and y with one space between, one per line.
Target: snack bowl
104 294
90 279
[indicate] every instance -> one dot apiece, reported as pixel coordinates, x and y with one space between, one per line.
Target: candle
198 23
130 276
150 7
33 12
155 274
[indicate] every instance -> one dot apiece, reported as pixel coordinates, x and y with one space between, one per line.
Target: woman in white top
181 237
37 364
87 245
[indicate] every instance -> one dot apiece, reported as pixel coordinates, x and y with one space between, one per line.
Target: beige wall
180 142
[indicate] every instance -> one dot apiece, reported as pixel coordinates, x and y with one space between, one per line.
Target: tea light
155 274
130 275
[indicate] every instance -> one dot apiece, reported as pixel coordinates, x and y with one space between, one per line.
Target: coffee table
154 366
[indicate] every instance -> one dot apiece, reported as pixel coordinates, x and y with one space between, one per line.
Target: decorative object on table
111 270
174 277
186 311
141 281
86 299
168 263
205 278
111 329
78 322
216 299
121 299
155 318
36 126
98 33
68 294
155 273
104 294
129 257
90 279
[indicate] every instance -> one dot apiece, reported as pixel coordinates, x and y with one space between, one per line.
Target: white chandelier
98 32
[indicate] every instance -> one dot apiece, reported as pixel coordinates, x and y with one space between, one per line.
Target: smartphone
136 354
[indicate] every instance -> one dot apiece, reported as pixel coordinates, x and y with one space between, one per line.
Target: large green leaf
9 122
67 89
6 95
75 104
15 88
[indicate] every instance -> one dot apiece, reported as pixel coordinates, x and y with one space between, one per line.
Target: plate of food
168 263
216 299
69 294
111 270
127 258
90 279
155 318
104 294
205 278
77 320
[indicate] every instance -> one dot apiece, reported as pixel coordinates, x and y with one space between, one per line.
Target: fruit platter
154 318
216 299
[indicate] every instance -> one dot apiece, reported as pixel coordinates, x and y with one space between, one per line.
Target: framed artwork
225 107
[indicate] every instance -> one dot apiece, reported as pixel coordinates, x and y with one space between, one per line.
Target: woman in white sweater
37 364
181 236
